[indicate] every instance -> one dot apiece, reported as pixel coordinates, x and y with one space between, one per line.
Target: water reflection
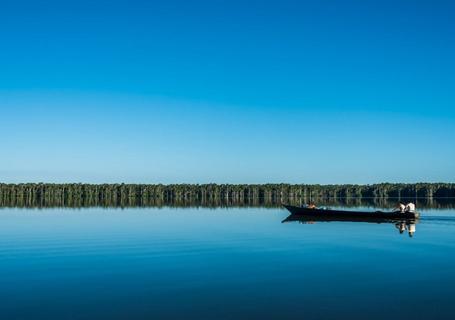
168 263
403 225
229 202
408 226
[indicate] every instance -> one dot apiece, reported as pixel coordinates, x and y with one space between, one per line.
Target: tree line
75 195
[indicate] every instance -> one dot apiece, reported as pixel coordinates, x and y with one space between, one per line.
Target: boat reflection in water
409 226
402 225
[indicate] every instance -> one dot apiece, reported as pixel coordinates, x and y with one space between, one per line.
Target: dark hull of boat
344 215
308 219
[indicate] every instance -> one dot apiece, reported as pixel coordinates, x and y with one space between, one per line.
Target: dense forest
123 195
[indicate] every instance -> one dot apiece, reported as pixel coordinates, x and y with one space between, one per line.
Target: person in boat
410 207
311 205
400 207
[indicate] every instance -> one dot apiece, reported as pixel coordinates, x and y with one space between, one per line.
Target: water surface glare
152 263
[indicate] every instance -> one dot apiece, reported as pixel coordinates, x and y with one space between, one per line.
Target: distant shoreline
138 195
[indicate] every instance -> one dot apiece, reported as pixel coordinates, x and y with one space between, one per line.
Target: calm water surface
221 264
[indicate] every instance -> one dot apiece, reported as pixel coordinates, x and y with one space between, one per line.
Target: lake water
227 263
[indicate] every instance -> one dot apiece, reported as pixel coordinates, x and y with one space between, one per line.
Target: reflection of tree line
389 202
440 203
212 195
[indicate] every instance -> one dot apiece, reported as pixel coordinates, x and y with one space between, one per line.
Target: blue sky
227 91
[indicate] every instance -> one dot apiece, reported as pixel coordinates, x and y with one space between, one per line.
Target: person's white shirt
410 207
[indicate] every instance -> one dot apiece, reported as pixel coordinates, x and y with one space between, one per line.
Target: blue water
221 264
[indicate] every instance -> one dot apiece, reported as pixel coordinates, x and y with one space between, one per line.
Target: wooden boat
346 215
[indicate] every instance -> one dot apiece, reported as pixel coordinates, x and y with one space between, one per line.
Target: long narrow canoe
347 215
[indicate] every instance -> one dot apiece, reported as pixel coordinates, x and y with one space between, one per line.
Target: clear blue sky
227 91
